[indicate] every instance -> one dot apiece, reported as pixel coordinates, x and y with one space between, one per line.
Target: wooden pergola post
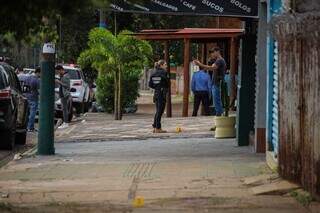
186 78
167 59
204 61
204 53
233 94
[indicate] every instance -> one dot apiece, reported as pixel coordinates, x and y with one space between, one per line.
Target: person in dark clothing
201 88
64 94
219 68
159 81
32 86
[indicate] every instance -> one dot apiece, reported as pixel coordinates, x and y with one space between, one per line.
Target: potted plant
225 125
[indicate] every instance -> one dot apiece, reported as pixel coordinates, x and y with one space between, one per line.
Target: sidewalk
102 127
186 172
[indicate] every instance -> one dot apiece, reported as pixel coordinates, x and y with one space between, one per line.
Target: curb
30 152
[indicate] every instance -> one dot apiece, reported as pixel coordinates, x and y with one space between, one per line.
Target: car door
20 100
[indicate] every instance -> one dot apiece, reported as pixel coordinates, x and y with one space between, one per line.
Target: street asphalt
171 175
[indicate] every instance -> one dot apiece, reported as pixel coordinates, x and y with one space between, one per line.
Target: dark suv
13 109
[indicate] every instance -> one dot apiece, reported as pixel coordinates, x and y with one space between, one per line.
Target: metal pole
102 23
60 38
115 24
46 116
167 59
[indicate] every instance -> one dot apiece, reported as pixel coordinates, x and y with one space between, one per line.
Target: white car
79 89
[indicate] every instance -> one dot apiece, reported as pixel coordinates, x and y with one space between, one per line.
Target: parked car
80 91
13 109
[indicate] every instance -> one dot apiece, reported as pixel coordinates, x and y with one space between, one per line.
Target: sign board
233 8
49 48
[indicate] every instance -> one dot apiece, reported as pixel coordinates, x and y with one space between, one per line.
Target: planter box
225 127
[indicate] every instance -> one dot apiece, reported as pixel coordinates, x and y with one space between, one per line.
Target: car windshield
74 74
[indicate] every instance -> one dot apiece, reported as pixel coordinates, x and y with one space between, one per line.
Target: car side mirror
73 90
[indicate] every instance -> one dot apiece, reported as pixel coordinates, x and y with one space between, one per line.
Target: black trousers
201 97
160 103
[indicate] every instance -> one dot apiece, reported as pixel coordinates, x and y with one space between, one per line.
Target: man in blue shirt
201 86
219 69
33 84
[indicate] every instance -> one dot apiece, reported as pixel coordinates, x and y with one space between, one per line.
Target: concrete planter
225 127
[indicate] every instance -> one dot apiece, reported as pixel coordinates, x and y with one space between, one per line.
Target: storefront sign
235 8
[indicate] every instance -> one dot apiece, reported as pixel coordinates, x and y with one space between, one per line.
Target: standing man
64 93
159 81
219 68
201 88
31 88
21 76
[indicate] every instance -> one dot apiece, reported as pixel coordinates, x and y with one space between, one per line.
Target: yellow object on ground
138 202
178 129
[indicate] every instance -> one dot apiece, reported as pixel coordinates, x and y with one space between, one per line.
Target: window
74 74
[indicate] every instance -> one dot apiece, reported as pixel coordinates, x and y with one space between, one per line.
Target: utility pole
46 113
115 24
102 23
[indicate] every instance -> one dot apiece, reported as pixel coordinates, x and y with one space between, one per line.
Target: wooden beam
186 77
167 59
204 56
184 36
233 59
204 61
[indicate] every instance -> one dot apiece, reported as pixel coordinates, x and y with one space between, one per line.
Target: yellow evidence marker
178 129
138 202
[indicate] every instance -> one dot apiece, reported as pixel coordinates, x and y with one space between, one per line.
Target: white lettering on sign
49 48
142 7
164 4
213 5
137 6
116 7
188 5
242 6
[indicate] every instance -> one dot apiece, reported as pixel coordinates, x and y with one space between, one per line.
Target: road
7 155
172 174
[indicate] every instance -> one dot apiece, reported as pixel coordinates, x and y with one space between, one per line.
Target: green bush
130 89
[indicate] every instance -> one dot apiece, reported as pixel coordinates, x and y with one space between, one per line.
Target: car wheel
21 138
9 137
86 107
80 108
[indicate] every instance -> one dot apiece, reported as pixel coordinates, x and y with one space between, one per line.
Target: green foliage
303 197
74 37
113 56
130 91
137 22
19 17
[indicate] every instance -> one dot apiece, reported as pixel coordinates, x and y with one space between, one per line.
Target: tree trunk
119 95
116 96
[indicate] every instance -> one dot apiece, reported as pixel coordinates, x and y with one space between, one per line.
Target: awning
233 8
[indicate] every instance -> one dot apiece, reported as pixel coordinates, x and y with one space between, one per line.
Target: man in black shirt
219 68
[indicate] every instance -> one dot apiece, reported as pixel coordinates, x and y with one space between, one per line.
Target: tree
113 54
20 17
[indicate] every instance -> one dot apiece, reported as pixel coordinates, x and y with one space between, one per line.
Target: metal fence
299 98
